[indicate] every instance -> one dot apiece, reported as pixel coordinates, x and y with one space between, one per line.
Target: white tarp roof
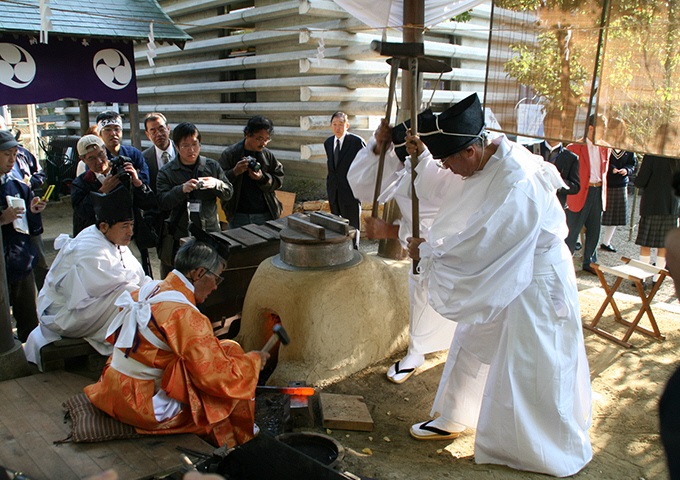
390 13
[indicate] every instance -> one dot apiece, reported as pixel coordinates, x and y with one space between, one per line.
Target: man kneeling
168 372
88 275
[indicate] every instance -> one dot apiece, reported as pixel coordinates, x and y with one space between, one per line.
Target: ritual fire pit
343 310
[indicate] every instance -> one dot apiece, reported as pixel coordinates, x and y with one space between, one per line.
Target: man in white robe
496 262
87 276
428 331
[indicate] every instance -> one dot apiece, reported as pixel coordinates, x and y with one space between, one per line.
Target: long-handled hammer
397 51
279 335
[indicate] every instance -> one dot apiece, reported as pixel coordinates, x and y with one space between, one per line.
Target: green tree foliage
639 67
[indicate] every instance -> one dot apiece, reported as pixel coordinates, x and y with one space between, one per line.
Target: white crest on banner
151 46
113 68
45 20
17 66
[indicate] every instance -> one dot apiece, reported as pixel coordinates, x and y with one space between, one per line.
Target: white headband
109 121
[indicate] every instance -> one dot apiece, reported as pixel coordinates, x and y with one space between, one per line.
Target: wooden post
13 362
6 338
414 19
84 116
135 134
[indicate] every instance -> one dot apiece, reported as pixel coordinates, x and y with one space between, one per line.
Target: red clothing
576 202
214 380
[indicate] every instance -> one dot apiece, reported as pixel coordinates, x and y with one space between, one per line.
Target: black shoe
578 246
609 248
590 270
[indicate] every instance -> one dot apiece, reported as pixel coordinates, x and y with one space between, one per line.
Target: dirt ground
626 386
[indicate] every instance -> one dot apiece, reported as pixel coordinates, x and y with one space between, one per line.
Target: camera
118 170
252 164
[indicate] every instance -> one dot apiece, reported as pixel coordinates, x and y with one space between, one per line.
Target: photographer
188 188
110 128
255 173
105 176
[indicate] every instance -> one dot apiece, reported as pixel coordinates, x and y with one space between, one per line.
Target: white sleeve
364 170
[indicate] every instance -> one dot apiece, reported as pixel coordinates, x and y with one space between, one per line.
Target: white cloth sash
135 316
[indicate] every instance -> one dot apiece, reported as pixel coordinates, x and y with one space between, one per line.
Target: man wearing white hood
497 264
87 276
428 331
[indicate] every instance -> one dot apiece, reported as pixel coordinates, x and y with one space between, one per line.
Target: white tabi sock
447 425
411 360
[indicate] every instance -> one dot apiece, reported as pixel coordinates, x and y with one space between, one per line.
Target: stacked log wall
262 58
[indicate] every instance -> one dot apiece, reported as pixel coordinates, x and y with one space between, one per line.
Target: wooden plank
330 221
345 412
18 414
32 419
307 227
233 244
244 237
266 233
280 223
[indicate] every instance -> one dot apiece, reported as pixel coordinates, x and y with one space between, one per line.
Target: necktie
165 157
336 152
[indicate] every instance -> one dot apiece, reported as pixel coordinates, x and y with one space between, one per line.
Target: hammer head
281 333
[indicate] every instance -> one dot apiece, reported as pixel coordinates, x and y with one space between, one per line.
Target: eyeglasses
218 278
262 139
190 146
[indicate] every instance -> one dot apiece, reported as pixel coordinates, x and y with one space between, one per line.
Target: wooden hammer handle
270 343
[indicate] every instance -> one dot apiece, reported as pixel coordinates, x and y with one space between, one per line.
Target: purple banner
86 69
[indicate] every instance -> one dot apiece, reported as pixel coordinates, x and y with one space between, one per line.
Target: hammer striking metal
279 335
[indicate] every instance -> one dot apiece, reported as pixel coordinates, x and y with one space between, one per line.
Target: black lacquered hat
455 129
113 207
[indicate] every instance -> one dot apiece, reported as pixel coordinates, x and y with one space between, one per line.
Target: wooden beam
267 84
313 151
236 63
322 8
339 66
322 122
244 17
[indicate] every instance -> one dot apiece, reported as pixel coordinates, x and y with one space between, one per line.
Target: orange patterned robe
214 380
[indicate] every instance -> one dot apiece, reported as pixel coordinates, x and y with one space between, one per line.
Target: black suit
566 162
151 161
340 194
154 217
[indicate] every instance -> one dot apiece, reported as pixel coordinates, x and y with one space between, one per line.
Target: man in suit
584 209
161 152
564 160
157 130
341 148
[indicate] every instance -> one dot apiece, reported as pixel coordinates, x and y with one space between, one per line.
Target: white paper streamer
151 46
45 20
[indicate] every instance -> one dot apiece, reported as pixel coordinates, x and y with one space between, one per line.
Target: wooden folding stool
637 272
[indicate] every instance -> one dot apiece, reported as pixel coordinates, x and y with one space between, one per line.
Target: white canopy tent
390 13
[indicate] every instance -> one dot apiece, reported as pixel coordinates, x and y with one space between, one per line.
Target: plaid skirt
652 230
617 207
